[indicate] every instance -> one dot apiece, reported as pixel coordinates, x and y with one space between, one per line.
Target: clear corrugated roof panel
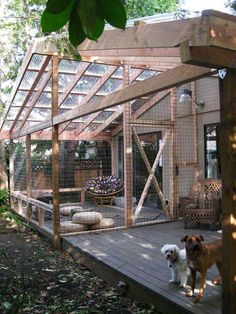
72 101
37 61
7 125
146 74
119 72
64 80
49 86
69 66
91 127
41 81
104 115
13 112
85 83
44 99
28 79
110 86
19 98
39 114
97 68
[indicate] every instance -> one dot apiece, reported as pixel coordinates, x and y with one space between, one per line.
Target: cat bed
104 187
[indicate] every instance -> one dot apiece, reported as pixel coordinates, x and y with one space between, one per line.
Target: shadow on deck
133 256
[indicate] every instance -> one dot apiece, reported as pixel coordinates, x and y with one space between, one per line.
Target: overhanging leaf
91 19
114 12
53 22
56 6
76 33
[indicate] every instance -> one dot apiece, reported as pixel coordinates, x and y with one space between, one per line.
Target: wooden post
195 129
11 172
28 175
128 168
55 155
174 199
228 172
41 216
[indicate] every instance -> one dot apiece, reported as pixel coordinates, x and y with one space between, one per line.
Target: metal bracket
222 73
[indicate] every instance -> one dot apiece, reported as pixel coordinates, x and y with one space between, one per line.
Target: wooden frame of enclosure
201 43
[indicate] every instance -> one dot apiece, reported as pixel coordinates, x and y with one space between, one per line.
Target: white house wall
207 90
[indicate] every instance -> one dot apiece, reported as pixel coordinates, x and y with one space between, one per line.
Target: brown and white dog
201 257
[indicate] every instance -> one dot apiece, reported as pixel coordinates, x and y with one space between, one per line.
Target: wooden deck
133 256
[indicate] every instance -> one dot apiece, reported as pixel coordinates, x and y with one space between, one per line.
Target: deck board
135 254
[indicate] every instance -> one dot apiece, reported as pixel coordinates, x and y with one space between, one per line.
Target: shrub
4 198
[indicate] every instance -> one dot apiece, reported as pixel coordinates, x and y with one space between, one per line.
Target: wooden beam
37 79
228 174
55 156
28 175
139 52
158 35
208 56
173 177
145 107
4 135
221 29
128 165
175 77
111 119
11 172
151 123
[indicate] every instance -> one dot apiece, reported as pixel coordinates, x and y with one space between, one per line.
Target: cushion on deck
69 226
66 210
88 218
103 224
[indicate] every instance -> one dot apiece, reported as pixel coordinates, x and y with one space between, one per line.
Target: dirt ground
35 278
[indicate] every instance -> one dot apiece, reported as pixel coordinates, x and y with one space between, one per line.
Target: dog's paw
189 293
182 285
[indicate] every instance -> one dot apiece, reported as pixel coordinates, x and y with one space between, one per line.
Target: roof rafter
37 78
93 91
175 77
93 116
146 106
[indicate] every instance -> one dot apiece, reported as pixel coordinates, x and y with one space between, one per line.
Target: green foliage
20 23
4 197
231 4
140 8
86 18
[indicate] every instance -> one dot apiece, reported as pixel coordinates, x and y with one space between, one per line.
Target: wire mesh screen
20 166
79 162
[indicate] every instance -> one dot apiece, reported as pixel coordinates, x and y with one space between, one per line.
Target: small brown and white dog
201 257
177 263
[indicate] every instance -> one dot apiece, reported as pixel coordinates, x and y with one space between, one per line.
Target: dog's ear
184 238
163 249
201 237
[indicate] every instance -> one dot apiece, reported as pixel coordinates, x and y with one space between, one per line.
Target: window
212 151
